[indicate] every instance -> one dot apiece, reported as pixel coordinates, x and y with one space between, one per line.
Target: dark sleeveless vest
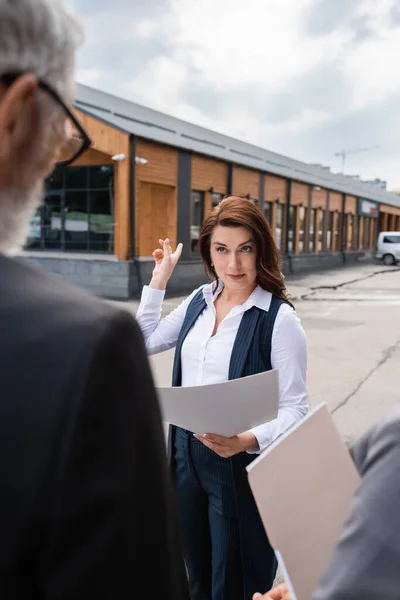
251 354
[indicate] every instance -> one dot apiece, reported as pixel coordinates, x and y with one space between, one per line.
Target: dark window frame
291 224
313 223
330 232
303 216
195 252
63 191
267 209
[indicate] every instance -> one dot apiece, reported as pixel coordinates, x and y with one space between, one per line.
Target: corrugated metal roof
153 125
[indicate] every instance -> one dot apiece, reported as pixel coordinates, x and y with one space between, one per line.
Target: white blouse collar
260 298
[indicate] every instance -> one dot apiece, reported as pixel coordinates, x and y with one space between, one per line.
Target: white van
388 247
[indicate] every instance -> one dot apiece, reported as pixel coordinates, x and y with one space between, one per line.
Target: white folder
303 486
227 408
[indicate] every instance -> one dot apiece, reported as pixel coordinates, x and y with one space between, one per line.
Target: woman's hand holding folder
279 592
228 447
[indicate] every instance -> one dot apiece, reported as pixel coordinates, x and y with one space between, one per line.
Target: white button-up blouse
205 358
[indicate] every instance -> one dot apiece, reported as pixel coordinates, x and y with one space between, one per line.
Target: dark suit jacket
366 561
85 503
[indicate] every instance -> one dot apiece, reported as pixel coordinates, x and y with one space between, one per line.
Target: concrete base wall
108 278
307 263
121 280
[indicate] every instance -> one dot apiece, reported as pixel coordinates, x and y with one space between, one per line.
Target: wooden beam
361 234
122 204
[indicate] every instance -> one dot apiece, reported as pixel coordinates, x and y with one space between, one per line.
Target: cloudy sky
305 78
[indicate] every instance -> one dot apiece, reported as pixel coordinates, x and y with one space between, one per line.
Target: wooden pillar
361 234
385 224
122 205
372 234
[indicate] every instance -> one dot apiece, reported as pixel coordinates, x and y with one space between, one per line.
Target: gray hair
38 37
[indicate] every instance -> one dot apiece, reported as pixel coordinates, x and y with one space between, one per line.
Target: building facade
149 175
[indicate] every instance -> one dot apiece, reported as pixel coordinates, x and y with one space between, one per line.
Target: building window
76 220
311 237
215 199
77 213
197 220
279 226
302 236
321 228
330 232
51 222
292 228
100 220
268 211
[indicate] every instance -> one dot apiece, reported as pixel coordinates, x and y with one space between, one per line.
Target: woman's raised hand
165 262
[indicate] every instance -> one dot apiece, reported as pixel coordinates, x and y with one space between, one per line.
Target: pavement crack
387 354
356 280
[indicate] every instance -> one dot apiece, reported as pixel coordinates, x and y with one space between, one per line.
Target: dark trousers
207 506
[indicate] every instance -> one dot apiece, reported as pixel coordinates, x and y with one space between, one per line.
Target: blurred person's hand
279 592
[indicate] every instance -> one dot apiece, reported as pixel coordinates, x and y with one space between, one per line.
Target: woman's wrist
249 441
157 284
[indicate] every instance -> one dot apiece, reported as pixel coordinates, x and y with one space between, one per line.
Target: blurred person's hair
38 37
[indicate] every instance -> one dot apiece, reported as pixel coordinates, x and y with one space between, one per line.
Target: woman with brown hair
240 324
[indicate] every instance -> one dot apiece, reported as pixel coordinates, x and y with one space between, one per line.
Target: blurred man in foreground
365 564
85 502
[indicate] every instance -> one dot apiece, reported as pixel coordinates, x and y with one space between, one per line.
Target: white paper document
303 486
227 408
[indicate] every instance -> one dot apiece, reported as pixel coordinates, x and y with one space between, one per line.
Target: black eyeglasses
78 140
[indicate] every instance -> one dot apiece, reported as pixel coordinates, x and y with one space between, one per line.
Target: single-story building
149 175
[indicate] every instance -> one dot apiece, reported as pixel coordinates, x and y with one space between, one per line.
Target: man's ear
18 116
